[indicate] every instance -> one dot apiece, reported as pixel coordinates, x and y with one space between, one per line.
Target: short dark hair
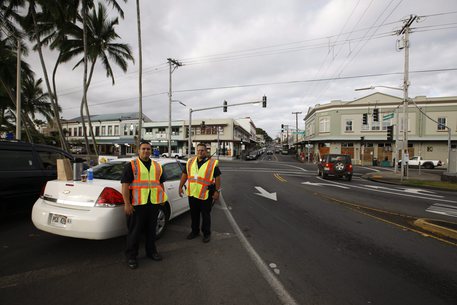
144 142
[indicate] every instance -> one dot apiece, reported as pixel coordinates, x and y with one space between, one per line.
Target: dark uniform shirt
127 175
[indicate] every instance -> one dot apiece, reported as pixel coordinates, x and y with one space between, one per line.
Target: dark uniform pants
203 207
143 220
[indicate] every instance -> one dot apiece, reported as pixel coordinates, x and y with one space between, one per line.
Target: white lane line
395 191
443 209
274 283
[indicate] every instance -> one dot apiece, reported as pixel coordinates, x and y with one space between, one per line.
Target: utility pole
173 65
140 77
405 31
296 129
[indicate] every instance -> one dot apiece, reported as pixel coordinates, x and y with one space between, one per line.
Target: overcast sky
296 52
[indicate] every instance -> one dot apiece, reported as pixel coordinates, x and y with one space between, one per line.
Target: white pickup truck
177 155
419 161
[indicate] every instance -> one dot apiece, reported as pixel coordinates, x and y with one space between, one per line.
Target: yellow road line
277 176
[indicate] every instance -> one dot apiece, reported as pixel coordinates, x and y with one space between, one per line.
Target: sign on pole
388 116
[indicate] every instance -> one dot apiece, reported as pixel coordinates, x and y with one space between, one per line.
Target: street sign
388 116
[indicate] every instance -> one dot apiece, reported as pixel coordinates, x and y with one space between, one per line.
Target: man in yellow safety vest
143 193
203 187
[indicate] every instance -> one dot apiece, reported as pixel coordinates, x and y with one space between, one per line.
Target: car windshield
109 171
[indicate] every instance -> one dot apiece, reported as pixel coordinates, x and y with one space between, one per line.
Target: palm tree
100 45
35 101
37 27
86 4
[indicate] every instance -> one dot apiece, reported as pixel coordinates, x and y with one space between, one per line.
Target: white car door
172 172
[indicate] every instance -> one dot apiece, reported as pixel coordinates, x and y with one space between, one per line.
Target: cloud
239 43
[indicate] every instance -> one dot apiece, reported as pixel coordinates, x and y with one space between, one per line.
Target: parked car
95 209
24 170
173 155
335 165
419 161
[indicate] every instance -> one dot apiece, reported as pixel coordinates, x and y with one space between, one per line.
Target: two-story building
115 133
359 127
229 135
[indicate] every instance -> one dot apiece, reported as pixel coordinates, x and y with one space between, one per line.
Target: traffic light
365 119
225 106
376 115
282 127
390 133
187 132
264 101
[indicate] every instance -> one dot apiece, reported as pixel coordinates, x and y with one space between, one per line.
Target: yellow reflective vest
199 179
146 183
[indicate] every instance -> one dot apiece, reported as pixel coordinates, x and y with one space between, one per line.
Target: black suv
335 165
24 170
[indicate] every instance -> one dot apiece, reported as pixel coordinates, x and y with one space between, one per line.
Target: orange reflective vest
146 183
199 179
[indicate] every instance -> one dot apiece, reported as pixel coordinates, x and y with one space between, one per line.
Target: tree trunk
51 94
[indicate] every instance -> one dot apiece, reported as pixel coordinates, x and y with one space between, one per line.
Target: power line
273 83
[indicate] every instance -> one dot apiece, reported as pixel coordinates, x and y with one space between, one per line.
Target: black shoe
206 238
132 263
155 256
192 235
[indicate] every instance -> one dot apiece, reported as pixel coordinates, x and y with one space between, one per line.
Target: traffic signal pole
224 106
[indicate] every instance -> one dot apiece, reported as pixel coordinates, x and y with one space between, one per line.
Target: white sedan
95 209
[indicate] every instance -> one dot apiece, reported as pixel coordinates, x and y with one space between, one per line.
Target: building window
441 124
97 131
175 131
80 131
324 125
348 125
103 131
148 130
116 130
160 130
110 130
131 130
375 125
126 132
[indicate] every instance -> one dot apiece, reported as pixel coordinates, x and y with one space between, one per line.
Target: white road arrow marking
322 184
265 194
420 192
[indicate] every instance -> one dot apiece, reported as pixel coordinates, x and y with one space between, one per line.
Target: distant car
336 165
173 155
95 209
253 155
269 152
284 152
24 170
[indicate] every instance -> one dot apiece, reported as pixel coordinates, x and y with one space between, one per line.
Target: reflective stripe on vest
146 183
199 179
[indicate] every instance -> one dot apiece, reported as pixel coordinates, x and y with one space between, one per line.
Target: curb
427 224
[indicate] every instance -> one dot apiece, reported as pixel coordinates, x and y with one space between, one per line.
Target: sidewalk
425 180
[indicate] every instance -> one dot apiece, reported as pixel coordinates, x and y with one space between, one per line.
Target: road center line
274 283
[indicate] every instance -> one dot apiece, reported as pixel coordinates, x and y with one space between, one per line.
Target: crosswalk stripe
443 209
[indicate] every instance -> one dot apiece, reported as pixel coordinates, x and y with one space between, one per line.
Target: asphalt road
319 242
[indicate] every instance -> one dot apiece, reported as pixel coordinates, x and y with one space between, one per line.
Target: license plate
59 220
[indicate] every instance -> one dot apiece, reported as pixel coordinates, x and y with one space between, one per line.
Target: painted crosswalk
443 209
